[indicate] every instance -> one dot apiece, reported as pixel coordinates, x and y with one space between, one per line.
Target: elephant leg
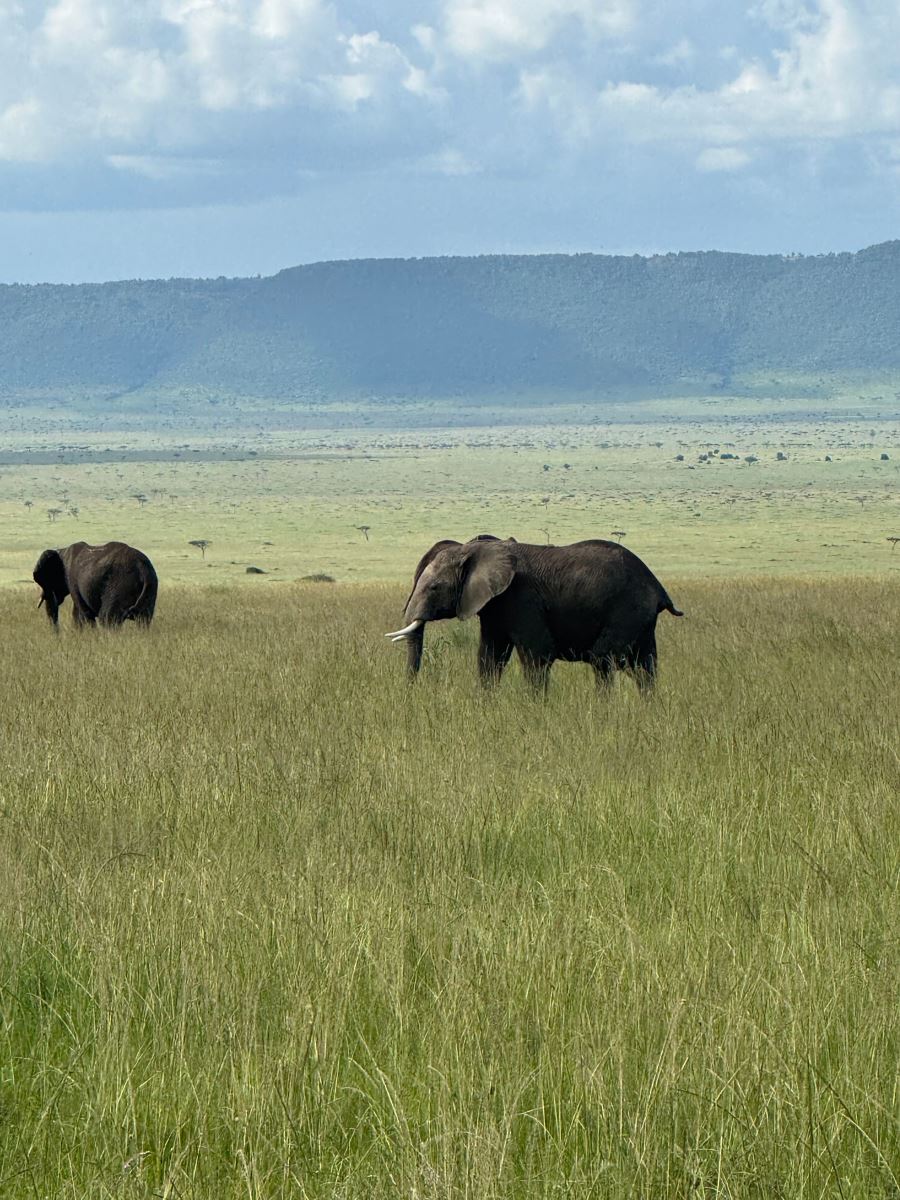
642 661
537 671
604 672
81 614
493 655
110 615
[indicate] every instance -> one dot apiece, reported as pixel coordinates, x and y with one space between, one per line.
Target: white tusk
399 634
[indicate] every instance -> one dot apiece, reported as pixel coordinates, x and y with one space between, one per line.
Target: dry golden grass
273 923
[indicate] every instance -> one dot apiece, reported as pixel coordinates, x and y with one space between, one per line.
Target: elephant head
50 575
455 580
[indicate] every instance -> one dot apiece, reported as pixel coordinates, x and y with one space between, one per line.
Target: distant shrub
885 458
254 571
317 577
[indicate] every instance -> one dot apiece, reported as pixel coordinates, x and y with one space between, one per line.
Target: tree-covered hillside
495 325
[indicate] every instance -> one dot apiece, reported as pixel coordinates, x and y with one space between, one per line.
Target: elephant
111 584
593 601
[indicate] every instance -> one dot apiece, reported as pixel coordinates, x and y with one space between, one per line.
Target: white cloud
257 54
381 62
682 52
834 77
498 29
20 131
162 168
448 161
159 89
144 77
722 158
785 14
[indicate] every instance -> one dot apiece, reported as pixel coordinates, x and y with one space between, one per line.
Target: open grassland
698 488
273 923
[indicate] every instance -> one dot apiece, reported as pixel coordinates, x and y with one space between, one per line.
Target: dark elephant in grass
592 602
108 584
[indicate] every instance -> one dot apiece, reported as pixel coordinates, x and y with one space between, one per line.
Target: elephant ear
50 574
490 570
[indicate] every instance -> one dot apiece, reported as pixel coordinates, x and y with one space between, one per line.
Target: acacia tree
201 544
364 530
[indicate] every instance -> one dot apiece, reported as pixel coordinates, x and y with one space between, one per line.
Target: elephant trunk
49 599
414 636
414 645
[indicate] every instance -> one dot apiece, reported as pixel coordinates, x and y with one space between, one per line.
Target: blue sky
152 138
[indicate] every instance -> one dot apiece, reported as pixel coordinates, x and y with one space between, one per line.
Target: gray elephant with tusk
109 584
593 602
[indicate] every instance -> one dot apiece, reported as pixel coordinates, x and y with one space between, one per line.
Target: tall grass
273 923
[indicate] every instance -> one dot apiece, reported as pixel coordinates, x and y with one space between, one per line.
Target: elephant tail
666 605
146 599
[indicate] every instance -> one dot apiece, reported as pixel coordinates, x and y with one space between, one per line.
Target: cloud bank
171 90
395 126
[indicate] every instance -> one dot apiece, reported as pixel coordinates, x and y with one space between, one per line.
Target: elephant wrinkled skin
109 584
592 601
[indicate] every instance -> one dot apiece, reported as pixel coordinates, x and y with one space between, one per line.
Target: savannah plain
274 923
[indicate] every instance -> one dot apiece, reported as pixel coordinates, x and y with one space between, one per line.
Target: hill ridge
490 325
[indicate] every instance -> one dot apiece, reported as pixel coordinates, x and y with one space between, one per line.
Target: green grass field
273 923
291 499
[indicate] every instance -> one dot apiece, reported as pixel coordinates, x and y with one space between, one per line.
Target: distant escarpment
493 326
